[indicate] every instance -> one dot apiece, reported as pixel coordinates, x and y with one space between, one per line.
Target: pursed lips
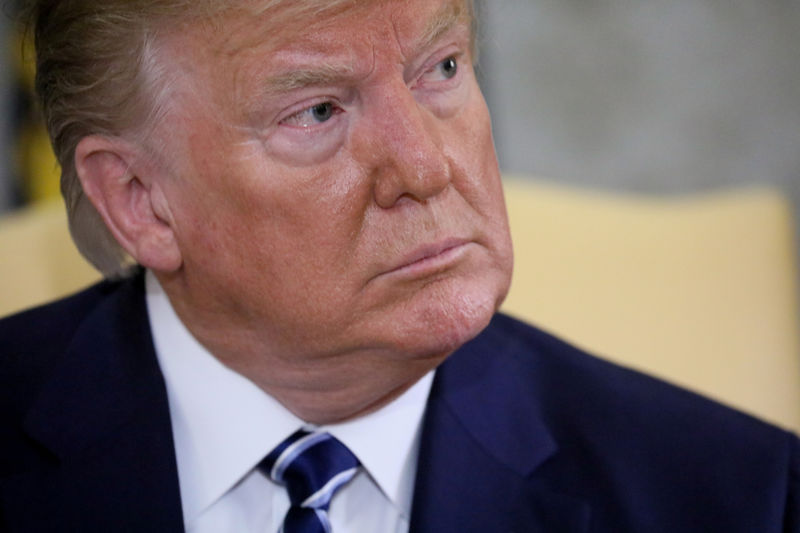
430 258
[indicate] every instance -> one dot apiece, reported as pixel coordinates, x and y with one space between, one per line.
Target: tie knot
312 465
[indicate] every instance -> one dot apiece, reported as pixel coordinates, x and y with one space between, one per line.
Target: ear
125 188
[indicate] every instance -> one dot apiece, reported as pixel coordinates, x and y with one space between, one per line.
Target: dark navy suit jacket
522 433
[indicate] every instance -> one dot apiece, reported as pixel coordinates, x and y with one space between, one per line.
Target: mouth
430 259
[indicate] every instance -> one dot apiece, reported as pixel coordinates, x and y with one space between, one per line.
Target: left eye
316 114
449 67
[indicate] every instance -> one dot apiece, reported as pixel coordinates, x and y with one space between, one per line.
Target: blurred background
662 96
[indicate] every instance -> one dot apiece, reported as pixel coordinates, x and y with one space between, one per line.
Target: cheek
268 222
471 151
478 182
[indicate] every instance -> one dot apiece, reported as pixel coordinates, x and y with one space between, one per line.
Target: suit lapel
482 443
104 418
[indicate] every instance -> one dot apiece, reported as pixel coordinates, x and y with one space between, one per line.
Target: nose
408 160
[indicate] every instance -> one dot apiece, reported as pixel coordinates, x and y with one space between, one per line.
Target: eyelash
333 109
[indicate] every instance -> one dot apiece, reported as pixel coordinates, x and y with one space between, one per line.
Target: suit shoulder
44 324
608 397
626 436
32 341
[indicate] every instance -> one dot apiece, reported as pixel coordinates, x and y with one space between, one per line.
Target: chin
445 320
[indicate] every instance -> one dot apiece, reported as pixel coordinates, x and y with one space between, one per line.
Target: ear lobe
125 191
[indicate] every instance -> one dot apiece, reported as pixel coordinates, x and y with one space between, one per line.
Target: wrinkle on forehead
282 20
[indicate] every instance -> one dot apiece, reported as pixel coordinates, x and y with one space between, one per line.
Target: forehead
286 24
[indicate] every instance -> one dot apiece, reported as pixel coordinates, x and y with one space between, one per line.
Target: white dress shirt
223 425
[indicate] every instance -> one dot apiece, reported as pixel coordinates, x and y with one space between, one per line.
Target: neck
318 387
336 389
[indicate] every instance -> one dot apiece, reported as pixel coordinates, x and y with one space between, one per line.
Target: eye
449 67
442 71
316 114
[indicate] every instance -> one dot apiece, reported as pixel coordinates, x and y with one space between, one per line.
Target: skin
332 236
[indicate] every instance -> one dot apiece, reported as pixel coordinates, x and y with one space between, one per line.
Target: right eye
311 116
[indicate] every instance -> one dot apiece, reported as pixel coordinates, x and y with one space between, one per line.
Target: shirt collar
387 441
223 424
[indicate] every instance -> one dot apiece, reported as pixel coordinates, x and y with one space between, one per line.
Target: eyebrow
444 21
308 77
451 15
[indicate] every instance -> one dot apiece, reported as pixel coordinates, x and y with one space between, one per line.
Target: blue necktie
312 466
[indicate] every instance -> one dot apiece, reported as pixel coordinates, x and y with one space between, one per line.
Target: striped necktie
312 466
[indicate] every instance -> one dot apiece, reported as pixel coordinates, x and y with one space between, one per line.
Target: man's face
335 187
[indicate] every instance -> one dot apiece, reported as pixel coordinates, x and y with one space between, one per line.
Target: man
312 189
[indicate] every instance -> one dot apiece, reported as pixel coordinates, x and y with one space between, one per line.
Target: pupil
450 67
322 112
